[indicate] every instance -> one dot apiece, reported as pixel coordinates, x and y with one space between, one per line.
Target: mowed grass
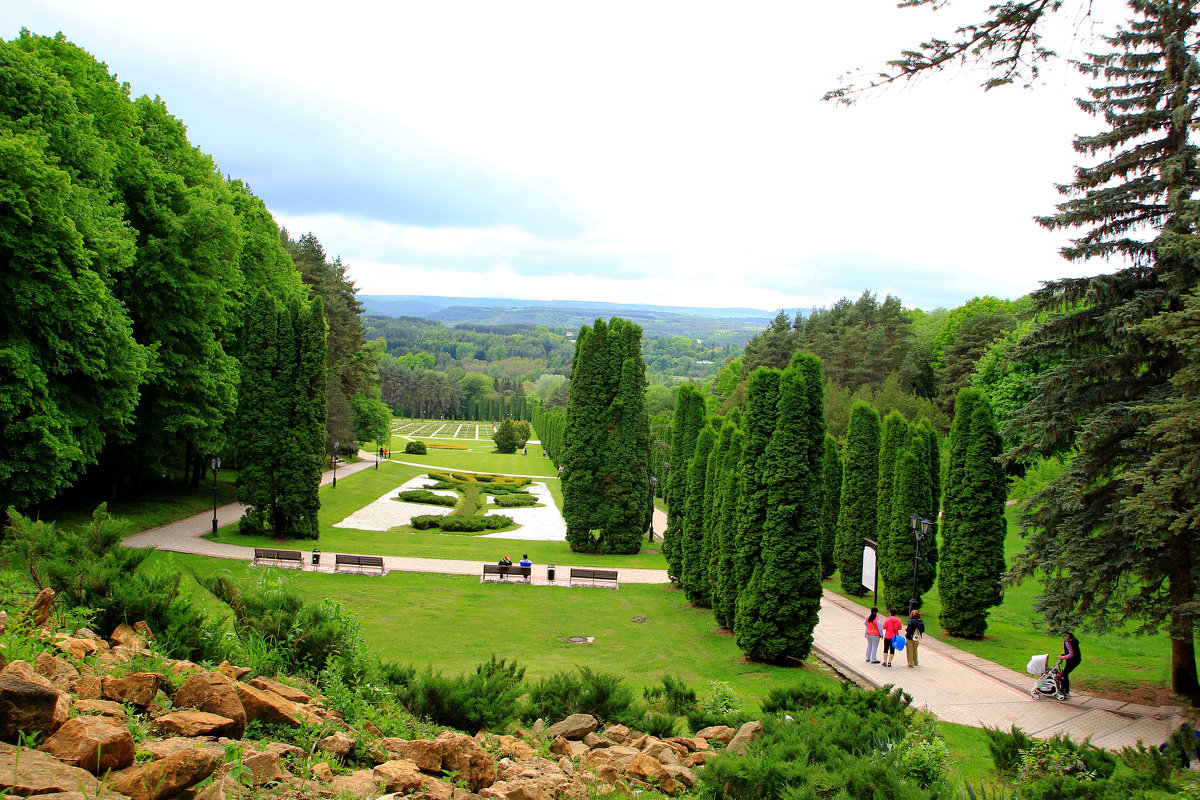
1116 662
453 622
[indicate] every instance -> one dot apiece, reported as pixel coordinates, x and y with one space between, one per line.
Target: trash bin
316 557
550 573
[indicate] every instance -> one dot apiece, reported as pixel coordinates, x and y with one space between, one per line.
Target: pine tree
910 494
762 396
693 565
688 420
505 437
926 451
258 447
627 468
895 437
974 527
725 592
831 500
777 611
860 487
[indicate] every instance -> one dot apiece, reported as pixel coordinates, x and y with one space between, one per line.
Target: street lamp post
335 449
920 528
216 467
653 484
378 446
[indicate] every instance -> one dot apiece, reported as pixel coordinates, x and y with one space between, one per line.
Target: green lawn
1112 662
453 622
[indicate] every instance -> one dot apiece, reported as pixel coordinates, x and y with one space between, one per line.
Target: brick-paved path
953 684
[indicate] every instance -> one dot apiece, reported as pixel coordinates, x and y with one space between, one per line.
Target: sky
674 153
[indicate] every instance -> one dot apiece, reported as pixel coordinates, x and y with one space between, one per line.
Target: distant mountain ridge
425 305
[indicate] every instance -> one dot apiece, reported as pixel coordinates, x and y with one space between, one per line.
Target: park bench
502 572
358 562
591 576
277 558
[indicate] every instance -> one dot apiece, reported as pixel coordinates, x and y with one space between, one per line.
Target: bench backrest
505 569
286 555
594 574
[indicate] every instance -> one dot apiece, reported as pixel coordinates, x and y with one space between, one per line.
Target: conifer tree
688 420
505 437
627 459
777 611
831 500
762 396
256 419
910 494
860 487
926 451
974 526
725 591
694 567
713 511
896 431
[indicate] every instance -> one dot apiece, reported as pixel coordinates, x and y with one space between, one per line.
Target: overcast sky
650 152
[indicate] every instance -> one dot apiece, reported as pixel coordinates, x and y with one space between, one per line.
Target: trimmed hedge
426 521
515 500
415 448
427 497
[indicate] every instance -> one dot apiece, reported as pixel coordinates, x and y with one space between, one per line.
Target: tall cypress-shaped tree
694 575
286 506
762 396
895 436
258 445
777 611
309 419
582 441
910 494
713 511
831 501
688 420
860 487
725 592
974 526
935 466
627 486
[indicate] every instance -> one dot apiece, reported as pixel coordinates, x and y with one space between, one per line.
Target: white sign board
868 575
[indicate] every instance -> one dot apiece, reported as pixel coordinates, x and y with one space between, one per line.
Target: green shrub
922 755
427 497
486 700
698 719
472 524
673 696
795 698
472 502
515 500
1008 750
604 695
495 522
424 522
415 448
659 724
485 478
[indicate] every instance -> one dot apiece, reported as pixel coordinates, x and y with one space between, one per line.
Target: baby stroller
1049 682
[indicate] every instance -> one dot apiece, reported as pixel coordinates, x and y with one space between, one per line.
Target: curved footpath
953 684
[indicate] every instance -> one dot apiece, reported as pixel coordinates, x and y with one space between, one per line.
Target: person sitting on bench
525 562
505 561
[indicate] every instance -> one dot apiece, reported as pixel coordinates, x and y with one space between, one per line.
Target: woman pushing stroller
1071 656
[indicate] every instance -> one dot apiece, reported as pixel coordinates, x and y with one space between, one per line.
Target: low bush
491 482
1008 750
470 524
698 719
440 446
415 448
604 695
515 500
659 724
673 696
472 502
426 497
486 700
424 522
497 522
795 698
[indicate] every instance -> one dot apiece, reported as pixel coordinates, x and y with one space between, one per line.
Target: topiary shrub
495 522
426 497
795 698
415 448
515 500
424 522
467 524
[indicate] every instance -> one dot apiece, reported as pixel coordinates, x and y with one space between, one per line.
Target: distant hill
721 325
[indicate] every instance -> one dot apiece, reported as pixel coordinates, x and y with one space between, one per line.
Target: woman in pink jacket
873 636
891 626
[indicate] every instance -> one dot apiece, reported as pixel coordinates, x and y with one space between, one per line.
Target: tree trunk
187 464
1183 643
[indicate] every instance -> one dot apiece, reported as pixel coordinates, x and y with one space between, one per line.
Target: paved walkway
953 684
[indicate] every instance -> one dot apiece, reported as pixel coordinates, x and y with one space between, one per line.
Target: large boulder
339 745
282 689
722 733
59 672
264 767
137 689
271 709
399 775
216 694
126 636
190 722
26 772
462 755
746 734
101 708
166 777
39 610
574 727
425 754
88 687
76 646
29 703
96 744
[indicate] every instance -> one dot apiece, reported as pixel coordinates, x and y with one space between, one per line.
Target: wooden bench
358 562
502 572
591 576
277 558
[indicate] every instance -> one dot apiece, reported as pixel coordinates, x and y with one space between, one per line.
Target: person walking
913 632
872 635
1072 656
891 626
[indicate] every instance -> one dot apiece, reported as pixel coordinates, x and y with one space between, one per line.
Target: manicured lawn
454 622
1112 662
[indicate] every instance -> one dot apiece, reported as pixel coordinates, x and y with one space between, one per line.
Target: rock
222 788
574 727
80 648
512 747
143 630
29 703
425 754
35 773
640 742
618 757
340 745
539 725
230 671
190 722
722 733
180 667
101 708
264 767
215 693
463 755
281 689
59 672
688 744
646 768
88 687
593 741
283 749
96 744
159 750
166 777
127 636
137 689
271 709
683 775
433 789
617 733
3 621
561 746
663 753
39 611
697 758
357 784
399 775
749 732
608 773
322 772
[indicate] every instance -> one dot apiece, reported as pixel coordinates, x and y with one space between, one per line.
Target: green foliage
922 755
658 724
795 698
859 342
1037 477
688 421
1009 751
762 396
427 497
831 502
693 563
424 522
604 695
515 500
488 699
416 448
860 487
505 437
673 696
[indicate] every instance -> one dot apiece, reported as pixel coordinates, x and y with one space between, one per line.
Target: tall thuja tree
308 419
910 494
925 448
714 512
973 528
777 611
688 420
725 592
259 429
831 502
626 485
693 575
582 440
895 434
935 465
762 396
860 486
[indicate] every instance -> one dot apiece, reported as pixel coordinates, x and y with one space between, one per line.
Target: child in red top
891 626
